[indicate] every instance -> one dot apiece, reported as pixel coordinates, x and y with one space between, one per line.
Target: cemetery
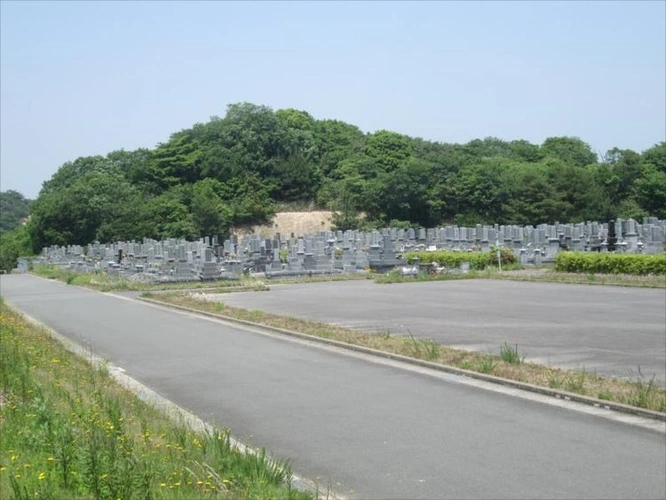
336 252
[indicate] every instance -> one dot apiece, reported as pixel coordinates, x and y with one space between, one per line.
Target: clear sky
84 78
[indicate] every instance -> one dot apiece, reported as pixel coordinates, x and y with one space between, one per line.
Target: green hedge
477 260
610 263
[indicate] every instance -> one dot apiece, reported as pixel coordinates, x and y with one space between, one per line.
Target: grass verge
551 276
103 282
640 393
70 431
533 275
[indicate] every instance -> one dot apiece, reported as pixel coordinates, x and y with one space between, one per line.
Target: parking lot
613 331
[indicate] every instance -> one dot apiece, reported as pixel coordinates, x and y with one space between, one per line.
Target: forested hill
14 209
231 171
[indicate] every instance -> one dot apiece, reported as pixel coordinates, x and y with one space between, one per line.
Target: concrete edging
545 391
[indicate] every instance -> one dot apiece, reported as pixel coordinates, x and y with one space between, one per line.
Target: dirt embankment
298 223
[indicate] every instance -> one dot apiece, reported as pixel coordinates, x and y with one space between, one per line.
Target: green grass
510 354
103 282
422 348
556 380
514 272
576 383
485 364
70 431
644 392
551 276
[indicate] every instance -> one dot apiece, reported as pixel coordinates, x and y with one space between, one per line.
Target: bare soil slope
298 223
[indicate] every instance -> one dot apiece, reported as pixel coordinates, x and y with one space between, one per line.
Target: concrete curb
545 391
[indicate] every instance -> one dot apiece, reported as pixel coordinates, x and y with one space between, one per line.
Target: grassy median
537 275
68 430
509 364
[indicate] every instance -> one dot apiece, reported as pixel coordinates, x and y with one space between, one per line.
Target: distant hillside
233 171
14 210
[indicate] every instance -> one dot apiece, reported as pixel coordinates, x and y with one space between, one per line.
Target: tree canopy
233 170
14 209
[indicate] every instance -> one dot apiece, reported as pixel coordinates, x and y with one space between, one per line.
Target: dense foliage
232 171
13 245
607 263
14 237
14 209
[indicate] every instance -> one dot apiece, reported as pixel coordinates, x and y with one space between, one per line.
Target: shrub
610 263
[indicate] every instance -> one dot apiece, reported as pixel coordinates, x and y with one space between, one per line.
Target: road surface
374 431
608 330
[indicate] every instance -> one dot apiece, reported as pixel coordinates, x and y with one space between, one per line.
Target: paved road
602 329
376 431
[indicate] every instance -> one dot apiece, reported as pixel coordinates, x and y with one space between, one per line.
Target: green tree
480 193
525 151
531 197
651 191
176 161
210 215
403 193
388 149
14 209
249 201
295 119
229 171
74 214
255 136
490 147
336 141
170 215
617 176
571 150
70 172
14 244
576 191
655 156
136 167
296 179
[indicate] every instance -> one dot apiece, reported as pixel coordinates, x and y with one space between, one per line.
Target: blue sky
84 78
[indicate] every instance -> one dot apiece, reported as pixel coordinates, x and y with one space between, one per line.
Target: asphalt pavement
371 430
608 330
